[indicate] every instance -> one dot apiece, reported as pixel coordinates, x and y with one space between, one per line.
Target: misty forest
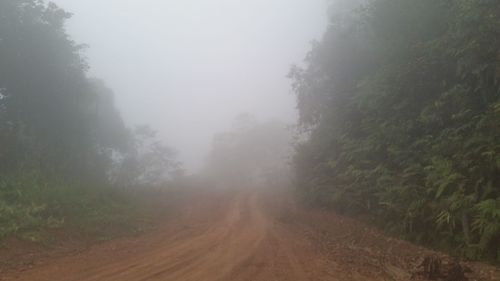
389 169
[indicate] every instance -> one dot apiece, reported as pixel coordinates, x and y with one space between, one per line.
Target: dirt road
245 236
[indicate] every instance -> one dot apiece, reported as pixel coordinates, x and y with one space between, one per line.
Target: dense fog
188 68
249 140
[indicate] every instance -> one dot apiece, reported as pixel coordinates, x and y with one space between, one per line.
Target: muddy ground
244 235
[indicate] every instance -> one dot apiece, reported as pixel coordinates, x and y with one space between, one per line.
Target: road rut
240 236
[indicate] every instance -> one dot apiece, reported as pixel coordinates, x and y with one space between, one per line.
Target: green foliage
63 125
400 102
53 118
30 206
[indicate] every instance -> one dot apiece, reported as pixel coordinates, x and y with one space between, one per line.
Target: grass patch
30 208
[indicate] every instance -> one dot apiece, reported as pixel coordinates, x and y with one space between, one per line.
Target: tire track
239 237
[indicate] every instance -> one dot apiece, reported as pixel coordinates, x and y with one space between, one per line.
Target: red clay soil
251 235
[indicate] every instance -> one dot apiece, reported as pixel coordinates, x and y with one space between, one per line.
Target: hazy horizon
186 68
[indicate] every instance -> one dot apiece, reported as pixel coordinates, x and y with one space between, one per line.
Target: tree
48 116
251 153
148 162
400 103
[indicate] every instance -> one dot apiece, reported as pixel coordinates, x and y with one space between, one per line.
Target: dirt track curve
245 236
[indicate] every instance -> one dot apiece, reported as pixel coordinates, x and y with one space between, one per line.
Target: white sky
187 67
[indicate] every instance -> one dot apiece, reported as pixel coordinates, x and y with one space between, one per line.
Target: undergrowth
30 208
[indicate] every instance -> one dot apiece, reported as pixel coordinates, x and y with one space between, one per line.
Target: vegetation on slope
64 148
400 103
